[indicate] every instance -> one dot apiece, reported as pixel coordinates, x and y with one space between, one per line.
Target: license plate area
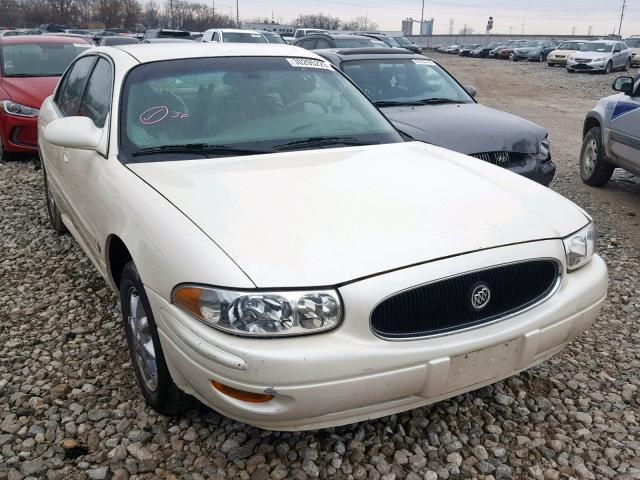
482 365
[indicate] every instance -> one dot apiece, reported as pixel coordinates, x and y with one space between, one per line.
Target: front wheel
541 58
147 357
627 65
608 68
594 169
55 218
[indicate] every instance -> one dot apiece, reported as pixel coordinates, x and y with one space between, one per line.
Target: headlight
601 59
580 247
261 314
545 147
13 108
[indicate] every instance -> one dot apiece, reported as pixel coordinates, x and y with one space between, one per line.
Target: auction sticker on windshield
308 63
423 62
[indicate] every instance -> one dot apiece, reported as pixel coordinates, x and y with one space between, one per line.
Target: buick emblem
480 296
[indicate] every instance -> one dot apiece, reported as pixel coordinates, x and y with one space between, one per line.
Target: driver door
625 130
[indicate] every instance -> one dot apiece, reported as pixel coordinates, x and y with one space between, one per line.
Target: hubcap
143 350
590 157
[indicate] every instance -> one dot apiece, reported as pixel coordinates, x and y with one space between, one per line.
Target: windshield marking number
308 63
157 114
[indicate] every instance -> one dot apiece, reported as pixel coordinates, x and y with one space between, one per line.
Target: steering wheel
183 106
296 103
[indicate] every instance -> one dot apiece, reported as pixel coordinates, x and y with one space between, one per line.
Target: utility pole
590 30
237 14
451 20
624 4
511 30
213 9
573 31
422 17
523 26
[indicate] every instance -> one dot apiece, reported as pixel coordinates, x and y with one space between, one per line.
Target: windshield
240 37
402 40
249 104
405 81
273 38
596 47
39 60
358 43
633 42
533 44
569 46
392 42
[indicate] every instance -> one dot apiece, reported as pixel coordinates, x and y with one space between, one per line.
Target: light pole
237 15
624 4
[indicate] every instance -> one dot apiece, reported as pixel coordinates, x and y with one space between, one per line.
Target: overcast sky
541 16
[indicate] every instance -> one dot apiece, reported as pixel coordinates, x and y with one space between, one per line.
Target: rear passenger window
97 97
322 43
70 93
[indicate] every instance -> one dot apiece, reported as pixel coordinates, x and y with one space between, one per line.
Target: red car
30 67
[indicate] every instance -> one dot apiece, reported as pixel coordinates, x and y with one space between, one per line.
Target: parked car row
336 223
576 55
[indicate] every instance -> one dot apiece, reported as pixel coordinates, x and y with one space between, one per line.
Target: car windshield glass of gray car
39 59
243 105
596 47
405 81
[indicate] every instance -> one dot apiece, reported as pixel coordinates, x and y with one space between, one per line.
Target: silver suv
611 134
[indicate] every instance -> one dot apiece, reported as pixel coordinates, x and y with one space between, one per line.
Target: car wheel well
118 257
589 124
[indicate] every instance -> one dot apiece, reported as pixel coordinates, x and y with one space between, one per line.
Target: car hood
327 217
590 55
526 49
467 128
562 52
29 91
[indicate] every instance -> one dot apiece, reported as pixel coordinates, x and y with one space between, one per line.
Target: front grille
446 305
583 60
501 159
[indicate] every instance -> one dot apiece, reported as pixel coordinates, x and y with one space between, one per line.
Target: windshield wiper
319 142
407 103
199 148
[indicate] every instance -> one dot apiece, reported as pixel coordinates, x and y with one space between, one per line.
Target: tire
594 169
550 65
149 364
608 68
627 65
570 71
55 219
541 58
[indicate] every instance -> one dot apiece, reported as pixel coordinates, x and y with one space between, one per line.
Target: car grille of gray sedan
501 159
451 304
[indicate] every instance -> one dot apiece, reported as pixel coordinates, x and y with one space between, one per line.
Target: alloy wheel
144 351
590 157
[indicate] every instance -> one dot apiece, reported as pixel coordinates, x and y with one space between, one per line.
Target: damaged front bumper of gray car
535 166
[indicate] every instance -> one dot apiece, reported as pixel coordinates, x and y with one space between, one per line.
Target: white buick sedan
282 255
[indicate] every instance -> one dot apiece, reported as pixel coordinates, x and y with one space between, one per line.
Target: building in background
272 27
426 26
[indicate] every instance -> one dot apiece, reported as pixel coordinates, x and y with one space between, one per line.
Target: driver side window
68 96
96 102
216 37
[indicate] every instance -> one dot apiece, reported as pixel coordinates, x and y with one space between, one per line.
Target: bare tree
466 30
360 24
318 20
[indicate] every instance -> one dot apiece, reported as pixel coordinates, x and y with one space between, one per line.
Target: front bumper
557 61
533 167
349 375
19 134
525 56
635 60
587 67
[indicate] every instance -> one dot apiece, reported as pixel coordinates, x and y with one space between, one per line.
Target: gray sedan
427 104
600 56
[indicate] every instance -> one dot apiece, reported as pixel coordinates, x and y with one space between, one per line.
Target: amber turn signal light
241 394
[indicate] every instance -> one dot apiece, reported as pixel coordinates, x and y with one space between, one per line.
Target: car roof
336 36
151 52
27 39
608 42
349 54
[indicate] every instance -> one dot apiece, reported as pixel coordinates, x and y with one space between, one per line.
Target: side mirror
74 132
624 85
471 90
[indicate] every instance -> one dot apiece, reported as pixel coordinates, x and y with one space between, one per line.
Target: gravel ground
69 406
